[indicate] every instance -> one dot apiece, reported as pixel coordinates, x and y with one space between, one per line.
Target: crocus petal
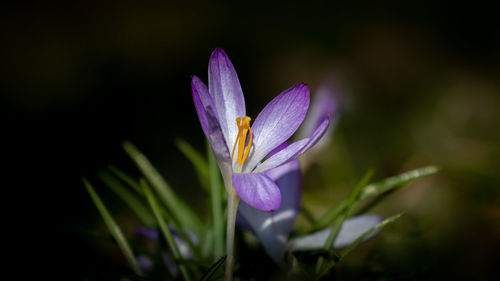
278 121
144 263
202 100
272 228
257 190
278 148
217 141
210 123
152 233
351 230
226 92
294 150
323 103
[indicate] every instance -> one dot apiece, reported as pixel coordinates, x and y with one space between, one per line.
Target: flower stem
232 209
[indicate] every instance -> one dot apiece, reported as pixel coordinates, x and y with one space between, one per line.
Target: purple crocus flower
240 148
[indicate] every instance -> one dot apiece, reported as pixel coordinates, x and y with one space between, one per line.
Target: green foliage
156 204
375 189
336 228
213 269
332 262
114 229
200 164
167 234
129 198
216 192
179 210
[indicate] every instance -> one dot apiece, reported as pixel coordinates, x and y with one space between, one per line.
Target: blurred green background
418 84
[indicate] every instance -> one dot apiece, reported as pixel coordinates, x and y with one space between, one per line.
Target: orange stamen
243 148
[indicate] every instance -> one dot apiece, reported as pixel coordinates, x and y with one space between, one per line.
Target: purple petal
152 233
272 228
294 150
351 230
216 139
323 104
278 149
257 190
210 124
144 263
226 92
277 122
202 100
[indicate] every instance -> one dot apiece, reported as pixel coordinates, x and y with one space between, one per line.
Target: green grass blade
336 227
216 202
150 220
396 181
211 271
207 243
200 164
351 246
127 179
178 208
129 198
307 215
375 189
167 234
114 229
385 222
331 215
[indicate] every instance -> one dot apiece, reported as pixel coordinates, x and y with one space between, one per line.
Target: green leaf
129 198
307 215
136 186
351 246
375 189
114 229
385 222
167 234
396 181
211 271
330 216
179 210
216 202
207 243
150 220
200 164
127 179
336 227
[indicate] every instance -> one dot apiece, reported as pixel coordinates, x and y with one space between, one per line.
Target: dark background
418 83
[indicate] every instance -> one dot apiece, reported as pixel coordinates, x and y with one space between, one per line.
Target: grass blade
211 271
179 210
375 189
216 202
349 248
385 222
114 229
129 198
134 184
207 243
396 181
127 179
200 164
331 215
336 227
167 234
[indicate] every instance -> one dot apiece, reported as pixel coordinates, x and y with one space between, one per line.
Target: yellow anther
241 140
